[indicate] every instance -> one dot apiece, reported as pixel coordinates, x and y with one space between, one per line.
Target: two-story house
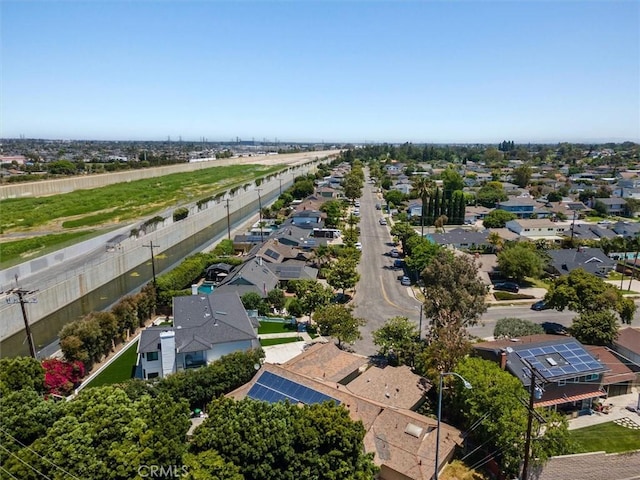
538 229
569 377
205 327
523 207
614 205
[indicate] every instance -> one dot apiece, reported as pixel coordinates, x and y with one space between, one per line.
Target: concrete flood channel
46 329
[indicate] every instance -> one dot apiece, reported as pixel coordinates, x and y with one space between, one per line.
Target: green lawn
609 437
267 342
119 370
275 327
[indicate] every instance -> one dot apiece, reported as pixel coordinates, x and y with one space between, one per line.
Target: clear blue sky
344 71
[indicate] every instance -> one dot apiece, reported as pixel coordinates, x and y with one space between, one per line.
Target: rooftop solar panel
567 359
274 388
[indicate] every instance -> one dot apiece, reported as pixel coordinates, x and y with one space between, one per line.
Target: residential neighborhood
299 284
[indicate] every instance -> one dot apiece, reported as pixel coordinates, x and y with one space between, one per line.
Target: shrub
180 214
512 296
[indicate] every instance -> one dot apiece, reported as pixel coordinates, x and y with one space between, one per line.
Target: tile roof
592 466
401 440
393 386
326 361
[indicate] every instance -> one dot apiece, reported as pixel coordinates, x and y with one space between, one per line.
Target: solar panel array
274 388
579 361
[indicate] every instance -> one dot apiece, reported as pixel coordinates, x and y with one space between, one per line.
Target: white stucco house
539 229
205 327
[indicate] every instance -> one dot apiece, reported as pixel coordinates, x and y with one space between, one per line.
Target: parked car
358 245
378 206
398 263
395 253
383 221
357 204
540 305
507 287
406 281
553 328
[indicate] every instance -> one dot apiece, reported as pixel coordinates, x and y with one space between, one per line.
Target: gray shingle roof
593 260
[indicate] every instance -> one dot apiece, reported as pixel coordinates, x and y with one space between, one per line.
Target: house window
562 383
527 229
590 378
152 356
153 375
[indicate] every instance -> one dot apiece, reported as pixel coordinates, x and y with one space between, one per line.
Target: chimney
194 289
168 352
503 359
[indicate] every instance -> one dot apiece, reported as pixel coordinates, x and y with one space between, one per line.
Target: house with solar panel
402 441
573 376
205 327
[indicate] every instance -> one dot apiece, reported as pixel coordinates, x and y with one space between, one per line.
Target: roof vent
509 350
551 361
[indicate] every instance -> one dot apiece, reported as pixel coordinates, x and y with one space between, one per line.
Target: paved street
379 295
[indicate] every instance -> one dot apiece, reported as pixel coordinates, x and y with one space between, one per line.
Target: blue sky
333 71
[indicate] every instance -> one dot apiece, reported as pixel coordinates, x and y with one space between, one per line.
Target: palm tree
424 188
496 241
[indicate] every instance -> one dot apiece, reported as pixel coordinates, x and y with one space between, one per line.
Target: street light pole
467 385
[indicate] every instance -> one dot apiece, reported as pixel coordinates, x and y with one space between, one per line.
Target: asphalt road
379 295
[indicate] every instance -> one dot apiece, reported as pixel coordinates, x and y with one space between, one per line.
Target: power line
22 461
36 453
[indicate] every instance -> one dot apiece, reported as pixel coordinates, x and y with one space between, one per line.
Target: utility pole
21 293
280 180
260 213
573 225
228 221
153 264
535 392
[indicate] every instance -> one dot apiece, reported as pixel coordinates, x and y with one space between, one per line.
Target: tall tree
337 320
20 373
520 260
455 295
595 328
312 295
343 274
522 175
423 188
397 340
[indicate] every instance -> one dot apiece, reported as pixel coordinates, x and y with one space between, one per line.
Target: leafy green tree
61 167
302 188
343 274
455 295
494 398
270 441
334 209
198 387
490 194
21 373
519 261
394 197
25 416
312 295
421 252
451 181
403 231
498 218
554 197
397 340
337 320
582 291
522 175
595 328
445 348
600 208
208 465
352 187
276 298
253 301
515 327
423 187
105 434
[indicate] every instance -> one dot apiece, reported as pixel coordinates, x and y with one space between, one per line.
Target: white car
383 221
358 245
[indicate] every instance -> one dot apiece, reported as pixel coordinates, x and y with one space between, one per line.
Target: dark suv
507 287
